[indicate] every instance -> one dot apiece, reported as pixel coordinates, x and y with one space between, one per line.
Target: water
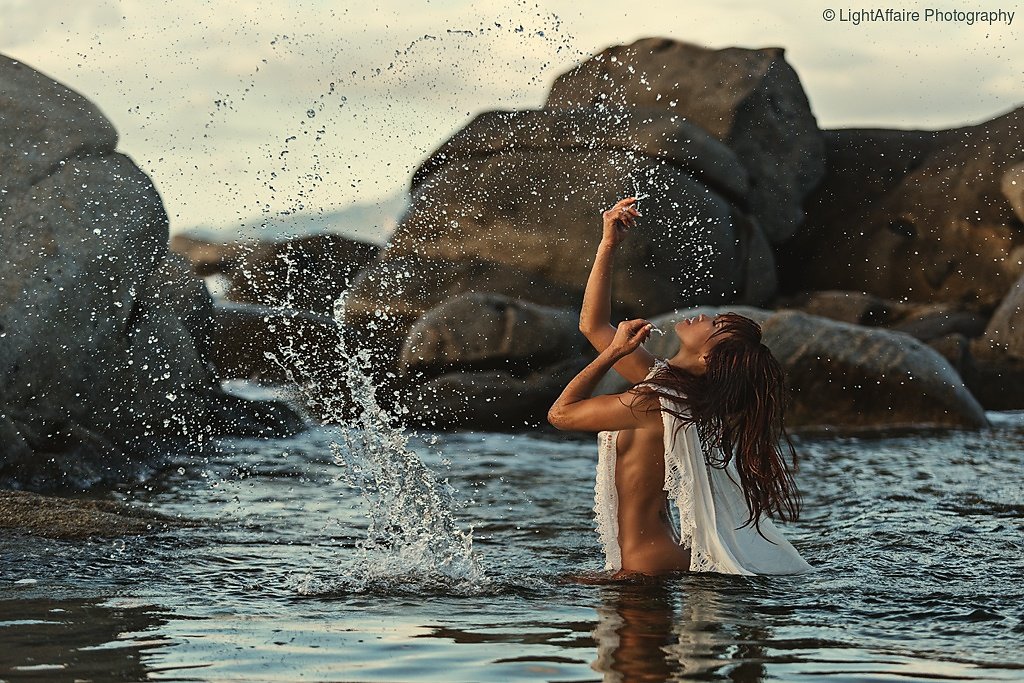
917 541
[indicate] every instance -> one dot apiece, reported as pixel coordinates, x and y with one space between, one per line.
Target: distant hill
369 222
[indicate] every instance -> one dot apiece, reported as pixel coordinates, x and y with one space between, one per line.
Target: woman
704 427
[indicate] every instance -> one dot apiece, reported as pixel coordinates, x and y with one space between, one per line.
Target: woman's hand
619 219
630 335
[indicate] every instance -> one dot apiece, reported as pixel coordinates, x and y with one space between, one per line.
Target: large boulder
480 331
306 273
922 216
487 361
511 205
103 334
750 100
847 376
994 362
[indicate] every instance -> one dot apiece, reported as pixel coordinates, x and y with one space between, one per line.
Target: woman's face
695 334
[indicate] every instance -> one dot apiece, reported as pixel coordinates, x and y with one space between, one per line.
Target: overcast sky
238 110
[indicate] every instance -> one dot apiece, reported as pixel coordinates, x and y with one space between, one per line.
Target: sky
240 110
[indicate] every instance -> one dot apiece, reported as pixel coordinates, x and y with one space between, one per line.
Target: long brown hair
737 406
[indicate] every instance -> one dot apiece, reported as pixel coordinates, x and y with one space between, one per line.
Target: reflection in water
666 631
76 639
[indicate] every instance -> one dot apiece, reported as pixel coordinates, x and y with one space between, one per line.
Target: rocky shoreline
898 253
886 266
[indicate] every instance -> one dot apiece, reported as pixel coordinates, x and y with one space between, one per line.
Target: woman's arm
595 314
576 410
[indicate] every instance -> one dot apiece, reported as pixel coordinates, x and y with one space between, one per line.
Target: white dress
710 504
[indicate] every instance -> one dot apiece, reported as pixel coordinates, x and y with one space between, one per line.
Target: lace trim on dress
606 501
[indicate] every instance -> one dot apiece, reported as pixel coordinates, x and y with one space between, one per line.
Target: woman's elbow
556 418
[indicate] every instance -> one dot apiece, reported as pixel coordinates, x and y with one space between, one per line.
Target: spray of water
413 541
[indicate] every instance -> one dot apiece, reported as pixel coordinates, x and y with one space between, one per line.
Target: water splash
413 541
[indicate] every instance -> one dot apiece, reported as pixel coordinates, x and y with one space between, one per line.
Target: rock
486 361
103 334
272 346
73 519
43 124
994 376
1013 189
207 257
940 321
305 273
483 331
750 100
856 308
913 216
490 400
847 376
511 205
1005 330
994 363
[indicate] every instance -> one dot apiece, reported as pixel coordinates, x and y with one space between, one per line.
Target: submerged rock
78 518
749 100
104 335
847 376
926 216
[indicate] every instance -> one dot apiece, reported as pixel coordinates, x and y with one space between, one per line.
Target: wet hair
737 406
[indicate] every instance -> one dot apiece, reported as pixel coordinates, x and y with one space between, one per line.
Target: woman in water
703 429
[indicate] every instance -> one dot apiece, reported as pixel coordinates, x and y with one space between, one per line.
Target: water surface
916 539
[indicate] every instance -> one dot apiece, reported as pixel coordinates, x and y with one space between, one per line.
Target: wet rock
750 100
1005 331
305 273
848 376
486 361
480 330
1013 189
273 346
78 518
994 376
936 322
856 308
205 256
103 334
913 215
994 363
44 124
511 205
490 400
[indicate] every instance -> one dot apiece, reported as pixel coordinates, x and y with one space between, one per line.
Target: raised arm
595 315
576 410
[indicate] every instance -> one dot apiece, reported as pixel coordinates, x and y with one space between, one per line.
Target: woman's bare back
647 539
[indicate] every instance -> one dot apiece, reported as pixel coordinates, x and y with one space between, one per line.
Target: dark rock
44 124
994 376
305 273
940 321
1013 189
848 376
207 257
1005 330
913 215
482 331
856 308
750 100
490 400
77 518
955 347
103 334
511 205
